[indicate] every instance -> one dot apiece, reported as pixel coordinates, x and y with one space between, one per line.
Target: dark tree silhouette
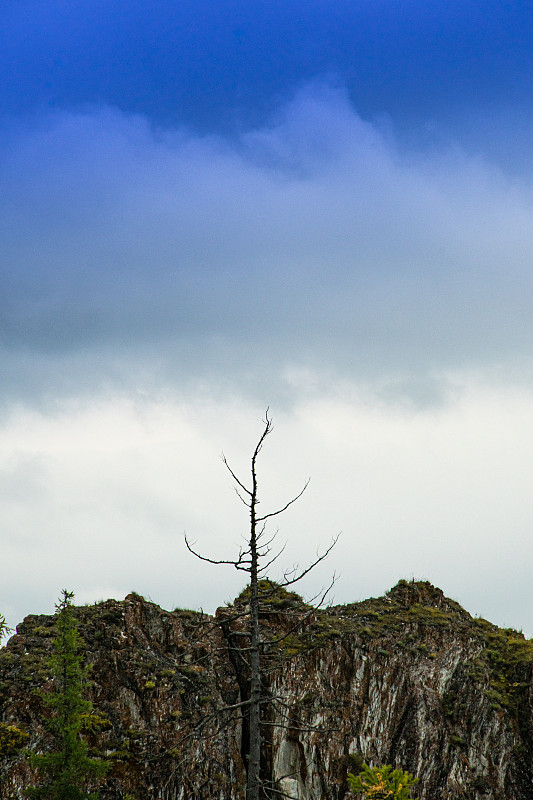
67 768
4 628
255 559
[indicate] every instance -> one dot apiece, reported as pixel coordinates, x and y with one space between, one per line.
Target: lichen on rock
408 679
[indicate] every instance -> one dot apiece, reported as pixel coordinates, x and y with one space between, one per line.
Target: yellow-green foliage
274 596
382 783
94 723
428 615
292 645
508 655
12 739
167 673
41 630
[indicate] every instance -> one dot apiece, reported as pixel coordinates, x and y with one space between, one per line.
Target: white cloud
442 495
158 289
135 256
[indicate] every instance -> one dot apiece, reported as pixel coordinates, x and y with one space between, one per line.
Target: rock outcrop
408 679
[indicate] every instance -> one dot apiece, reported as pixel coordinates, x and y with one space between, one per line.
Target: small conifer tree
68 768
4 629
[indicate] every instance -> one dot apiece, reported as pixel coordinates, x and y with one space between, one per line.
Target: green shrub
12 739
94 723
382 783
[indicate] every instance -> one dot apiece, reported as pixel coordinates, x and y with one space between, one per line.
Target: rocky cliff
409 679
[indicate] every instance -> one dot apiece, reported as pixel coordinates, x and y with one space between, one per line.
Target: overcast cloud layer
135 256
327 213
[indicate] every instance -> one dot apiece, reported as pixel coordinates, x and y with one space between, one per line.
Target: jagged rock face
153 674
409 679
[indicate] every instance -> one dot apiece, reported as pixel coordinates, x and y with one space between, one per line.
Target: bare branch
241 498
303 619
272 560
323 594
272 538
205 558
255 558
235 478
300 728
268 429
259 534
286 506
268 786
313 565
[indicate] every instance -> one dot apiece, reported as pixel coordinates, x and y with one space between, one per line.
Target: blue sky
207 208
216 65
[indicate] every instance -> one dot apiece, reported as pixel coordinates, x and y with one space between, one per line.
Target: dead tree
255 559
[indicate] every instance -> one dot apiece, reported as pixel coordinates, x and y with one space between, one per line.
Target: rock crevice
409 679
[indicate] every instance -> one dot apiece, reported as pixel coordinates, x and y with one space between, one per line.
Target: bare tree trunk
254 757
251 559
254 752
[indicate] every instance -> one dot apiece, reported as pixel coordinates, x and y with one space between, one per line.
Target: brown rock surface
409 679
